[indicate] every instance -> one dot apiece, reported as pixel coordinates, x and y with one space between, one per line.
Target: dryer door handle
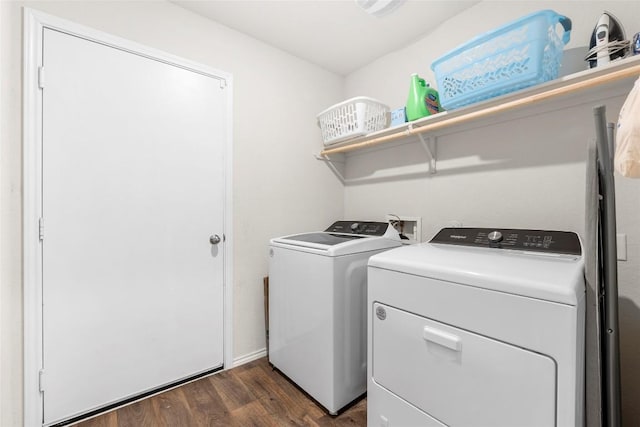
442 338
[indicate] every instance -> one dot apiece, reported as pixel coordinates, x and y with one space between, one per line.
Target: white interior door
132 189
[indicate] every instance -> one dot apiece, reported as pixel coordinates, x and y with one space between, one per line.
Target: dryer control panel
557 242
368 228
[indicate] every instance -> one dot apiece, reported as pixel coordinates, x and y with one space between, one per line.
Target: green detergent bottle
423 100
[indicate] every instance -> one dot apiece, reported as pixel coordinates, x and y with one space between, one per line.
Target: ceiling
337 35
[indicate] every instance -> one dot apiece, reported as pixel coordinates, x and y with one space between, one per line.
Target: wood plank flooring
250 395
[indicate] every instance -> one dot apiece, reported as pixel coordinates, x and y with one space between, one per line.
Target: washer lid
550 277
321 238
362 237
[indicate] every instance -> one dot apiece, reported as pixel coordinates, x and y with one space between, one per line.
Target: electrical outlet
408 226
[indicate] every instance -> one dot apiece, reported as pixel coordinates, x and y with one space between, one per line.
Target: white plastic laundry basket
352 118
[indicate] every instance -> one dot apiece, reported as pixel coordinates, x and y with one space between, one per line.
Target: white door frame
34 24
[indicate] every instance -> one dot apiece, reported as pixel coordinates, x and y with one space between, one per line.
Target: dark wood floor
250 395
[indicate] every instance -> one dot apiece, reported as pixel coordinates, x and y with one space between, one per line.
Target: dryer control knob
495 237
355 226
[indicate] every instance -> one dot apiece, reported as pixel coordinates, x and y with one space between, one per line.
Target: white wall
279 187
519 172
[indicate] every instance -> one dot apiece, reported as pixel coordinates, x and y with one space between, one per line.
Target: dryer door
461 378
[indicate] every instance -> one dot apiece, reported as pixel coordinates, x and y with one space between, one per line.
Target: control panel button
495 236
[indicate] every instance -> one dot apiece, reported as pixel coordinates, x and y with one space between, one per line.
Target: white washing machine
317 308
478 327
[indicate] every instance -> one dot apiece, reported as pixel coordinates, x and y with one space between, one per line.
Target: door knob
214 239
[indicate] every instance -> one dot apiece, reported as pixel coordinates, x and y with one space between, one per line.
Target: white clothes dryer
478 327
317 308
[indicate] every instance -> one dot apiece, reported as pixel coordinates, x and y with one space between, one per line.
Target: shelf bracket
430 145
332 165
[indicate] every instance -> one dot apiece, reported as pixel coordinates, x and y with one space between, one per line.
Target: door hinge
41 77
41 379
41 229
223 84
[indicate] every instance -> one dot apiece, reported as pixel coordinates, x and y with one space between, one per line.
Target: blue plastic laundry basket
517 55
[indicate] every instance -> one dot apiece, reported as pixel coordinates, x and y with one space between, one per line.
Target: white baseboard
249 357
